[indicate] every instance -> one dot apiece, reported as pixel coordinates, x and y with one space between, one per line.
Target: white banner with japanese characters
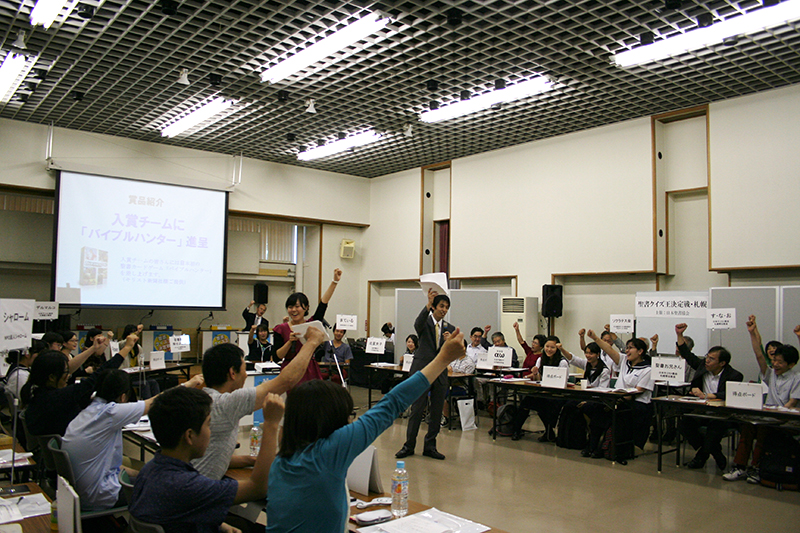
671 369
744 395
46 311
671 306
17 323
721 318
376 345
621 323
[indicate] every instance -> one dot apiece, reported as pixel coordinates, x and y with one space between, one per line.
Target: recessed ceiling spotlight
408 131
291 137
465 94
499 83
215 80
672 4
85 11
454 16
704 20
77 95
646 37
283 96
432 85
433 104
169 7
310 106
20 41
183 79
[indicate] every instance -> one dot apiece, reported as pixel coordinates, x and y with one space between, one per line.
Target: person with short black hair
225 374
713 372
388 331
260 349
255 319
783 381
285 343
20 366
169 492
433 332
53 340
94 439
532 352
307 491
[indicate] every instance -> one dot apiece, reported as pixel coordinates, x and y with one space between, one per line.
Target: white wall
544 207
350 295
268 188
755 180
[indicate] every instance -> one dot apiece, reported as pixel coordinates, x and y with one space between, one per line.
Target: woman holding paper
285 342
547 408
634 373
307 492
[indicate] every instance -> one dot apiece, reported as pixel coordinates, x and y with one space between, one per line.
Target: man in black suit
432 331
254 319
709 383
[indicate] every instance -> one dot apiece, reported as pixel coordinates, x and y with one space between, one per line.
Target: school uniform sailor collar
644 363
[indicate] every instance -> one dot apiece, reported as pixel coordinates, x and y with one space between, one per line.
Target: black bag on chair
779 467
571 428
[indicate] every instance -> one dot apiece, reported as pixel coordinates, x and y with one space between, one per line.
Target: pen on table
20 499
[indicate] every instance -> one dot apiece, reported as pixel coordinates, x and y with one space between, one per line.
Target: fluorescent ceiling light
766 17
486 100
339 146
328 46
201 114
13 65
46 11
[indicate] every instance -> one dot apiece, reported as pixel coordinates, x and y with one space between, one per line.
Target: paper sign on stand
376 345
114 347
671 369
501 356
555 377
484 361
364 476
721 318
46 311
745 395
621 323
157 360
16 323
407 360
436 281
179 343
346 322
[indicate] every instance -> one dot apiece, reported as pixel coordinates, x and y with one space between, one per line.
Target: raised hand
582 332
680 328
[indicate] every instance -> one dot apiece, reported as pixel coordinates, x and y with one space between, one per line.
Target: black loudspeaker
261 293
552 300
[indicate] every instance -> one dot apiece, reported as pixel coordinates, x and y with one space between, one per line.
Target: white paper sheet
436 281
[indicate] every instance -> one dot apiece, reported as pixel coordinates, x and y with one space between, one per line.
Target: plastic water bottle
400 490
53 516
255 439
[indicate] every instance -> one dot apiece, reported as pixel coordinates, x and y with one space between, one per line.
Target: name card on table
16 323
46 310
721 318
501 356
347 322
484 362
179 343
114 347
555 377
157 360
668 369
745 395
407 360
376 345
621 323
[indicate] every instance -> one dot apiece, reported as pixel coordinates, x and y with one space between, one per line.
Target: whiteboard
665 326
759 301
469 308
790 313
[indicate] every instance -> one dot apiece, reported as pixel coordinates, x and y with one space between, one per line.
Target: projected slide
122 242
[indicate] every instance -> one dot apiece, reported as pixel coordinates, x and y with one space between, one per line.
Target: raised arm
452 349
255 487
683 349
608 348
755 340
582 338
520 340
98 346
197 382
337 275
797 332
294 371
564 352
251 338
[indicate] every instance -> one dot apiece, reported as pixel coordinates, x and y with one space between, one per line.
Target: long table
169 366
610 399
676 406
35 524
374 369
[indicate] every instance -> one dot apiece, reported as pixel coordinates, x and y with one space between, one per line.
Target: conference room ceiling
127 58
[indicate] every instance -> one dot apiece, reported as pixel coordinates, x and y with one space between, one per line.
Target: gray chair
64 469
127 484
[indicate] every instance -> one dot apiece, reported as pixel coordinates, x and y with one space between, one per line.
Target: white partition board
665 326
790 314
469 308
759 301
